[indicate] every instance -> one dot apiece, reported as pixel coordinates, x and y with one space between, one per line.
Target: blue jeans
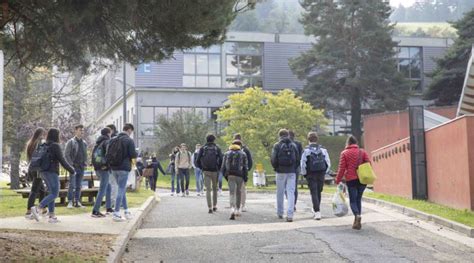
104 184
52 182
199 182
356 190
183 175
285 182
121 177
173 176
75 184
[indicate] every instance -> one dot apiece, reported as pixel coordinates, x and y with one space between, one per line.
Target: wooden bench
90 193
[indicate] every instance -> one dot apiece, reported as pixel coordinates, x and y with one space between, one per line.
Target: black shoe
97 214
289 220
214 209
210 211
109 211
280 217
232 216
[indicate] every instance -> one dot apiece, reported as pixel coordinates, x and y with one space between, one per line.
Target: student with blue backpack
102 170
285 161
46 160
315 163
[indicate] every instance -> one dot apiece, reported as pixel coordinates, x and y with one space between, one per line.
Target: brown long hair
34 141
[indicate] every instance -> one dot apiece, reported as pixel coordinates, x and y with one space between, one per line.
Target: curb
463 229
120 244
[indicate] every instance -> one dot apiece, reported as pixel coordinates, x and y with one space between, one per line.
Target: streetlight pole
124 92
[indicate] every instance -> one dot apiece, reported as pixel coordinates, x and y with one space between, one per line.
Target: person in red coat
349 161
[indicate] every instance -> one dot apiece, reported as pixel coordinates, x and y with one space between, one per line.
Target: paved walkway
180 230
81 223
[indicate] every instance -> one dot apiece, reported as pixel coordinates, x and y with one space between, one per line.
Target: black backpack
41 159
209 158
286 155
114 154
316 161
234 163
98 156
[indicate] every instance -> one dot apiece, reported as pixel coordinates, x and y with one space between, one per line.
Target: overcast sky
403 2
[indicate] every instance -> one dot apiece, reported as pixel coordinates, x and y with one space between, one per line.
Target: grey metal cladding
277 72
429 54
168 73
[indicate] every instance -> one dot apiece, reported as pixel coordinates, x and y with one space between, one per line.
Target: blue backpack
41 159
316 162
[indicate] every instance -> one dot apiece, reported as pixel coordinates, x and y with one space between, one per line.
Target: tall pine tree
448 77
352 63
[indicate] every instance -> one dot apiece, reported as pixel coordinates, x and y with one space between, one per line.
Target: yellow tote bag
366 174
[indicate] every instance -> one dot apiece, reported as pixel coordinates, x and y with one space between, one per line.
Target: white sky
403 2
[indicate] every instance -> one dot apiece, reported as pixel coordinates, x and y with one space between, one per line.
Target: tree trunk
19 95
356 113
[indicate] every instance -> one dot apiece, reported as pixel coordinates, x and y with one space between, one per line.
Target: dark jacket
105 140
249 157
200 154
299 147
274 159
129 153
57 157
155 164
243 173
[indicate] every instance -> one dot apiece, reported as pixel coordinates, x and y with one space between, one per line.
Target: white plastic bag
339 203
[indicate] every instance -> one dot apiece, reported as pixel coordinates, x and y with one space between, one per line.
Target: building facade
201 79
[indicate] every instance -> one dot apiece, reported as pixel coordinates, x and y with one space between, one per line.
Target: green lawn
465 216
12 204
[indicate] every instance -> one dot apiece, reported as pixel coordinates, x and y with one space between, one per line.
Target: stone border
463 229
120 244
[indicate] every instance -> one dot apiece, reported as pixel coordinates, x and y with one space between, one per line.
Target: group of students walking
111 157
113 154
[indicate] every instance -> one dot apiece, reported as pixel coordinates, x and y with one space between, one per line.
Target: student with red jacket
349 161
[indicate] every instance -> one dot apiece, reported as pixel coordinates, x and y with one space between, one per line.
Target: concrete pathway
180 230
81 223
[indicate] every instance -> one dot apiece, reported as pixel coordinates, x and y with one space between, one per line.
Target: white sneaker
220 192
35 213
117 218
243 208
53 220
29 216
128 215
69 205
238 212
317 216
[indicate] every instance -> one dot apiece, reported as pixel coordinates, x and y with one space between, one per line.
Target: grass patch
465 216
13 204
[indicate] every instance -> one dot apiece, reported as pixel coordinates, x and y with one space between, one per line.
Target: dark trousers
37 190
356 190
183 174
153 180
296 186
316 184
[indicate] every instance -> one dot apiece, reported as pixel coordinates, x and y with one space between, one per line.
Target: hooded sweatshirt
276 150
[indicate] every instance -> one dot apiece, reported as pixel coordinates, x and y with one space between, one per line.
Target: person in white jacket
315 163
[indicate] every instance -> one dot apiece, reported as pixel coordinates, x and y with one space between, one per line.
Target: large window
202 67
243 64
149 117
410 64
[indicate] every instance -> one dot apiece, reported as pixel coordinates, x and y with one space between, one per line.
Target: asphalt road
180 230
